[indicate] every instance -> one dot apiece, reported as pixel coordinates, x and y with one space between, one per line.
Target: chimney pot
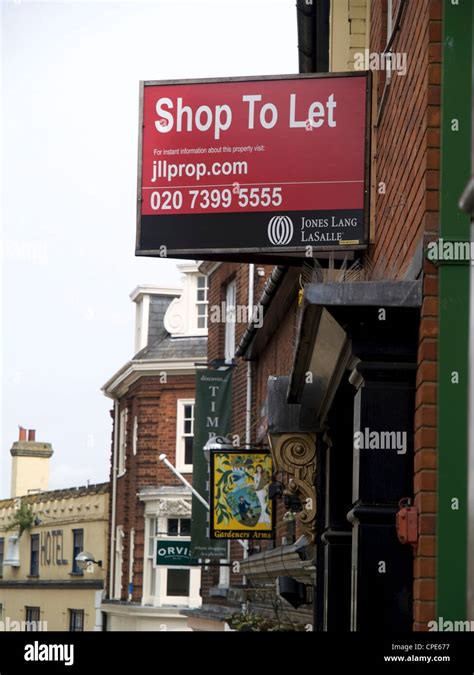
31 434
22 434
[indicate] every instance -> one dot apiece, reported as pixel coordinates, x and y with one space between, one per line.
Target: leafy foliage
258 623
23 518
224 486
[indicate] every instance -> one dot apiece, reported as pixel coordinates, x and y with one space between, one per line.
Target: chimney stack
30 464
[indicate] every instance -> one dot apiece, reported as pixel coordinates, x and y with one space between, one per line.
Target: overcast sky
70 73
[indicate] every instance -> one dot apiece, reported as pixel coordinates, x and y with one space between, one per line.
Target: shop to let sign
259 166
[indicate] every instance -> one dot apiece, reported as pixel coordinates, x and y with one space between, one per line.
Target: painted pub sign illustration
240 503
256 166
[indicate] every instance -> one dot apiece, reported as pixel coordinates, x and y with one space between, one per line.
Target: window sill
195 332
185 468
32 576
76 574
218 592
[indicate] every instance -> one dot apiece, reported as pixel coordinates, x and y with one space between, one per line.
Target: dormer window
187 315
201 301
141 322
147 300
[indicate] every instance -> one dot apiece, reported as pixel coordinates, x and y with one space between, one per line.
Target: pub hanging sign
240 504
264 167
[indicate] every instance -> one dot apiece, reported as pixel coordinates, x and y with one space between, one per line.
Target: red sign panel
262 166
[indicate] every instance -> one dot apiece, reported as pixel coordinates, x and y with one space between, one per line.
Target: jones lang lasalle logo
280 230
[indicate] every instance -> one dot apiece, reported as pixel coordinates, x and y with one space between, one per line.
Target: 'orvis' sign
173 553
261 166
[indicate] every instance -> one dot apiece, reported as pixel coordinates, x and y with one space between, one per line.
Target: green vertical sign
454 315
212 417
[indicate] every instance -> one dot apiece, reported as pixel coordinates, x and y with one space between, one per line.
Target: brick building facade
384 373
150 508
336 371
406 216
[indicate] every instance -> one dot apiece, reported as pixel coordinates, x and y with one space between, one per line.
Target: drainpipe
248 412
313 35
114 500
248 408
130 564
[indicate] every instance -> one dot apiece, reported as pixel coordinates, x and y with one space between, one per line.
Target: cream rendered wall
133 620
29 473
339 35
54 605
88 512
95 532
349 32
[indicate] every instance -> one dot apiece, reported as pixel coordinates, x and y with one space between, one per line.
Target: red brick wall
426 454
407 162
408 134
155 406
111 464
218 281
275 360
